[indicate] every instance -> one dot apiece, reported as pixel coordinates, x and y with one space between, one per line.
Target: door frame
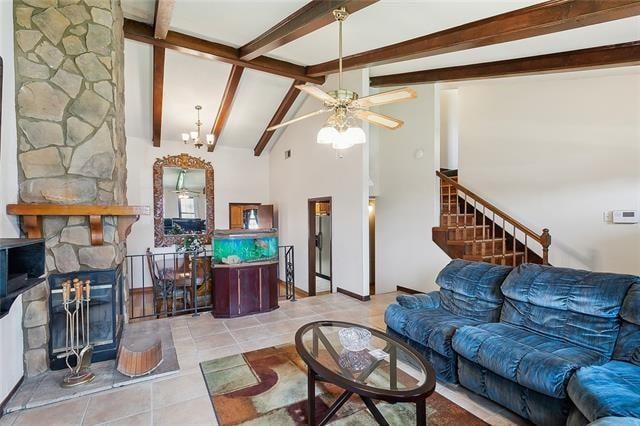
311 238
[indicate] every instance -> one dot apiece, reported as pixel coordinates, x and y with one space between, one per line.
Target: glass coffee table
400 374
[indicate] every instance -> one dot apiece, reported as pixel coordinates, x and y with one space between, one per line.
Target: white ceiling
190 80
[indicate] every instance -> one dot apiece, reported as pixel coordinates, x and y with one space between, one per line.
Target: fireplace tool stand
77 332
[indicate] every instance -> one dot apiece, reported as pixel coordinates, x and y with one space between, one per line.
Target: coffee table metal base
312 377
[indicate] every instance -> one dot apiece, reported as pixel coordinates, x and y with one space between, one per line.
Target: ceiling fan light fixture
185 137
209 139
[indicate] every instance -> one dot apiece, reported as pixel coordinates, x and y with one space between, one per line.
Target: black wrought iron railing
168 283
178 283
286 270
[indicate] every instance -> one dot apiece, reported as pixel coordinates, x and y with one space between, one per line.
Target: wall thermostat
625 216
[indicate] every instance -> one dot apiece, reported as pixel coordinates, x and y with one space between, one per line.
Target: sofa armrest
429 300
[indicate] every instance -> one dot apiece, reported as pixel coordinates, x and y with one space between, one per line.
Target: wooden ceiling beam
226 103
280 114
309 18
190 45
543 18
158 88
615 55
162 19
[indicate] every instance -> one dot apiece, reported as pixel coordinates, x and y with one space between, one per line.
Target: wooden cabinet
263 215
245 289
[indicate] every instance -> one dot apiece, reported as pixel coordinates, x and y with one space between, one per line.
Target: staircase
472 228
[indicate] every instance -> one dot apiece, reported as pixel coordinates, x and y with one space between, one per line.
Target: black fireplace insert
105 314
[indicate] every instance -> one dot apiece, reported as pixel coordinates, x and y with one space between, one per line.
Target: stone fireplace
71 151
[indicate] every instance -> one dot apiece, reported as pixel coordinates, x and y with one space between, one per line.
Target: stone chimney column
70 120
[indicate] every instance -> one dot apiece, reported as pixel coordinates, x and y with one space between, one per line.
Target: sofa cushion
432 328
612 389
472 289
414 301
628 344
576 306
533 360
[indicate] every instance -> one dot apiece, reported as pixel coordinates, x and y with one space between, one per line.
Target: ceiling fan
181 190
345 106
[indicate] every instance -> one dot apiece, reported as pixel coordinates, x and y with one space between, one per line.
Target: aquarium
244 246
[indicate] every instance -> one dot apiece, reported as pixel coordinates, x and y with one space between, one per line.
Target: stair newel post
545 240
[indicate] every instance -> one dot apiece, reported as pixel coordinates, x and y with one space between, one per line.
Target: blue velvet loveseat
517 336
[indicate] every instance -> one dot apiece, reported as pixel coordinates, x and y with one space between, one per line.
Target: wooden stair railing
473 228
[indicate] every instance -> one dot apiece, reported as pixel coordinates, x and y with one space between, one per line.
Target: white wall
11 325
239 176
558 151
316 171
8 138
12 349
406 207
449 125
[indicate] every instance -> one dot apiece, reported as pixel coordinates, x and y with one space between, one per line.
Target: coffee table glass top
396 369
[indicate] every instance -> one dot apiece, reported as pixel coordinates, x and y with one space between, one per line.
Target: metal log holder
77 332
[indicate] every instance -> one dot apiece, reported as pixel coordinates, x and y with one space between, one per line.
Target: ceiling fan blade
389 97
293 120
316 92
379 119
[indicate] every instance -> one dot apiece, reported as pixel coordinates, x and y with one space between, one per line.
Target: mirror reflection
185 201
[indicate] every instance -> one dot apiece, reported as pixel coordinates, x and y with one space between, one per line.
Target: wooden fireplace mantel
31 215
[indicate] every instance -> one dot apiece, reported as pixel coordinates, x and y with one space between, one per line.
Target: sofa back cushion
472 289
576 306
628 343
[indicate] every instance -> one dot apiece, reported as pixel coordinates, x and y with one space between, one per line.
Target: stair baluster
476 212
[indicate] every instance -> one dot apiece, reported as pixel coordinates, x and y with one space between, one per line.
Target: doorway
320 241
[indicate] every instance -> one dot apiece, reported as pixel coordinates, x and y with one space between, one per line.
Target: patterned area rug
269 387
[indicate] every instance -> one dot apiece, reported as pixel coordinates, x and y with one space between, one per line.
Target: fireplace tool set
77 332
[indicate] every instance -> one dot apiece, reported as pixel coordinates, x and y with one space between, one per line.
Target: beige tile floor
182 399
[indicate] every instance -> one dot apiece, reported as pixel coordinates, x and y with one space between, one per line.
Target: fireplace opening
105 315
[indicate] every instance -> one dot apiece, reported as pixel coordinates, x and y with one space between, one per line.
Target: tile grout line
86 408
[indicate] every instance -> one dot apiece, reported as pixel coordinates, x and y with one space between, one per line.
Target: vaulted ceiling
241 91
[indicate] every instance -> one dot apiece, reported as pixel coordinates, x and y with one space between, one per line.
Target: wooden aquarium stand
245 289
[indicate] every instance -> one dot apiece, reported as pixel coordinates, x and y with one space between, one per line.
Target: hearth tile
66 413
51 390
24 394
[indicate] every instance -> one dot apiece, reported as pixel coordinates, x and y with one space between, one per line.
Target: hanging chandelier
195 136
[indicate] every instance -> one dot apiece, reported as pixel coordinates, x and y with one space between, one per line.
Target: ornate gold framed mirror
183 203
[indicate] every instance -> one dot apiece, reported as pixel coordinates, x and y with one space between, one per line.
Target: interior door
323 252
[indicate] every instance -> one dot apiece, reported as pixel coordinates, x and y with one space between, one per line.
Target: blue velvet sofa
469 295
517 336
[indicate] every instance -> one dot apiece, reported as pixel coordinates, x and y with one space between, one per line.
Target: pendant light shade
327 135
355 135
